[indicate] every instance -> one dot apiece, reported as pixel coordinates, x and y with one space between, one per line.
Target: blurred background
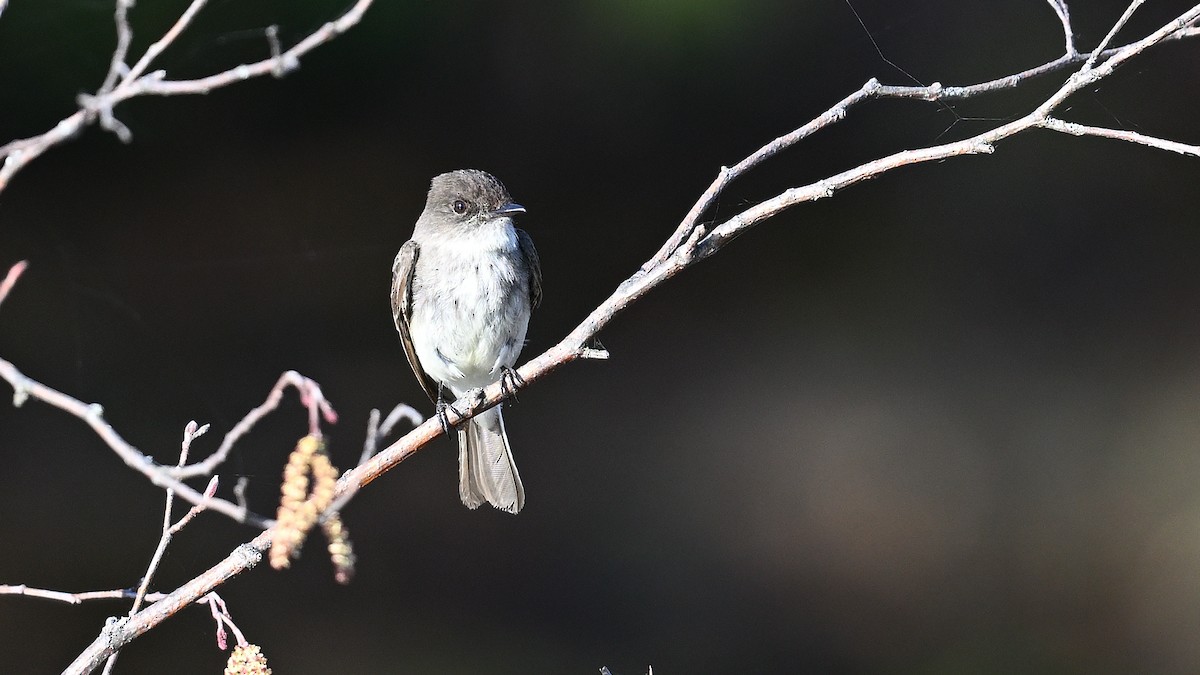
945 422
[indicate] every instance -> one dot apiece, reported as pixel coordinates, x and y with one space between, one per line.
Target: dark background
945 422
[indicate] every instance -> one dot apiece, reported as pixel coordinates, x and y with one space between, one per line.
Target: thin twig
25 388
190 433
169 477
934 92
981 143
117 66
288 60
165 41
1064 16
310 395
76 598
120 86
10 279
375 430
222 617
1112 33
272 35
1075 129
120 632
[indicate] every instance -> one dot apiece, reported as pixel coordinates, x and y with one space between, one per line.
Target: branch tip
20 392
10 279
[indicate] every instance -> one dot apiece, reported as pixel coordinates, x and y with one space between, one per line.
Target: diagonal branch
979 144
1112 33
690 243
1074 129
1181 28
119 632
695 246
117 65
165 41
168 477
10 279
1064 16
120 86
75 598
190 433
310 396
25 388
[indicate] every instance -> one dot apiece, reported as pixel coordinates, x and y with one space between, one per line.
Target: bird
463 288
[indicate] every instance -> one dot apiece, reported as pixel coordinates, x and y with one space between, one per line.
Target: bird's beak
509 209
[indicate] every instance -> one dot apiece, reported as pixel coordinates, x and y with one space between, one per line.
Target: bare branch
728 174
120 632
117 67
272 34
221 616
1064 15
1112 33
10 279
375 429
196 509
169 531
166 477
165 41
119 86
190 432
25 388
938 92
934 92
75 598
981 143
691 242
1055 124
310 396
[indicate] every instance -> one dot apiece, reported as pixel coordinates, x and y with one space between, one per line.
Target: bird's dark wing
535 267
402 289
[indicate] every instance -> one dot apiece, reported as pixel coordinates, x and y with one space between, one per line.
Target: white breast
470 305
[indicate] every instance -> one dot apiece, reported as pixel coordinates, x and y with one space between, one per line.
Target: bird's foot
510 381
442 407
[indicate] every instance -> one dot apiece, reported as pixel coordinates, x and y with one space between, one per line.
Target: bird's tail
486 470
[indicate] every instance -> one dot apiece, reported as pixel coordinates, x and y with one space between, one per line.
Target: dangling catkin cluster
308 484
298 504
247 660
340 551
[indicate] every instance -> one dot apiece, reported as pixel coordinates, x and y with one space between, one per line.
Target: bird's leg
442 407
510 381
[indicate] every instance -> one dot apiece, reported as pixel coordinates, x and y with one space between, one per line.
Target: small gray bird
462 291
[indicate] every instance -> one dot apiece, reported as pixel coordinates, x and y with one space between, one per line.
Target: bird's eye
459 206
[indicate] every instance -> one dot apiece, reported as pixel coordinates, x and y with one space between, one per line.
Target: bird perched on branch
462 291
